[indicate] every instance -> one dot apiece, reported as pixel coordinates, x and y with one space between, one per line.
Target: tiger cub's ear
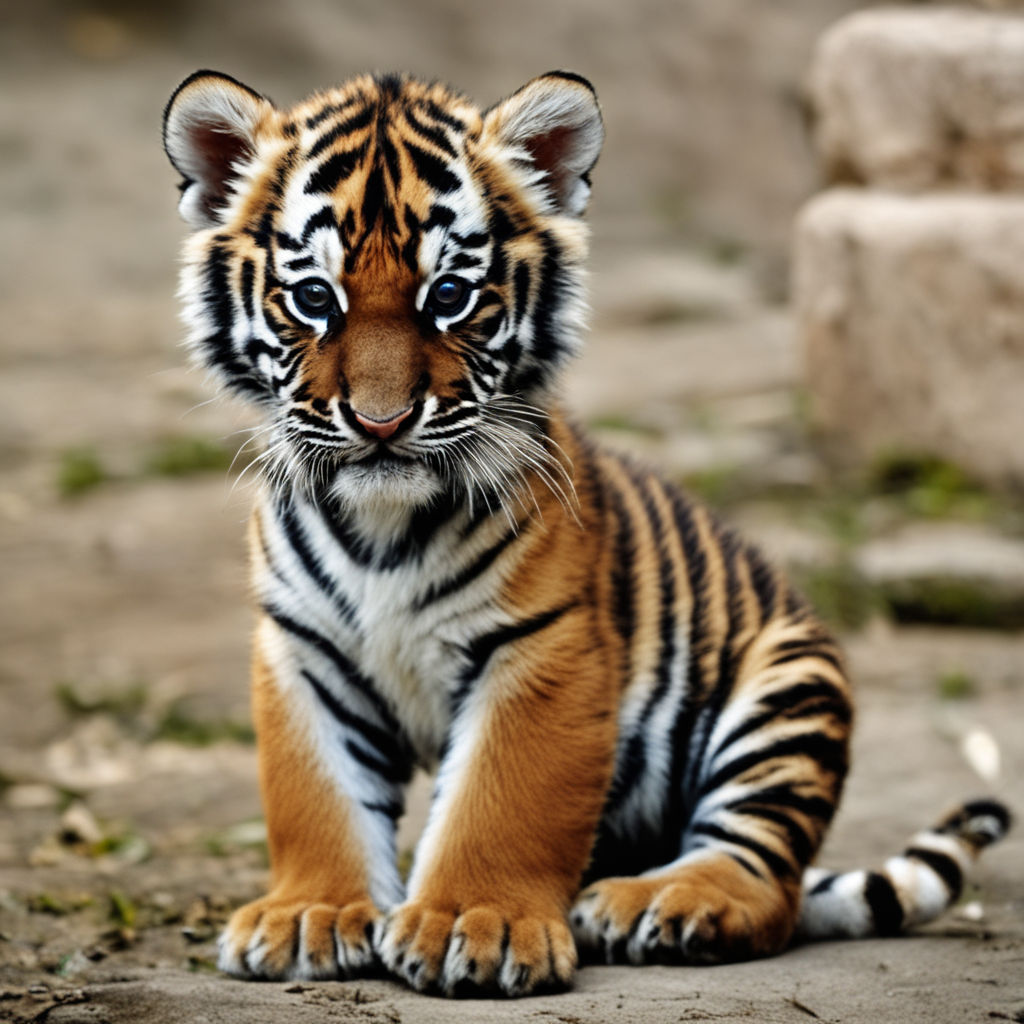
210 125
556 120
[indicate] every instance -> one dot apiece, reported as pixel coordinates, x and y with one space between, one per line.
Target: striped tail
911 888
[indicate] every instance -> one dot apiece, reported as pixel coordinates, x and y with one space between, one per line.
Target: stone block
908 98
910 310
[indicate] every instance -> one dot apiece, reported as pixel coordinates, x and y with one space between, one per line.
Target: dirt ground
130 821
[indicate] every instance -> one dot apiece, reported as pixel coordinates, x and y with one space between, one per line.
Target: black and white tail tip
910 888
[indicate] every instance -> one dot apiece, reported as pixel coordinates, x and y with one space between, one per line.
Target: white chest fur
393 613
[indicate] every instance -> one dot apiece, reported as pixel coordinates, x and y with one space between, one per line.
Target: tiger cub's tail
911 888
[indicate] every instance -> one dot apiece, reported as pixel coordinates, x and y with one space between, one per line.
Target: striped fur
640 730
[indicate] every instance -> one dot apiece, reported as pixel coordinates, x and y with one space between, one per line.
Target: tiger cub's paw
480 951
277 939
658 920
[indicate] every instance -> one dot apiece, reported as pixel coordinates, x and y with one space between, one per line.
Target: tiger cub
640 730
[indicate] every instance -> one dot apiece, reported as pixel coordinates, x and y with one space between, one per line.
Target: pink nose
381 428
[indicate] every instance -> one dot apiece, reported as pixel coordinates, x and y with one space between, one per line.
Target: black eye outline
455 303
315 310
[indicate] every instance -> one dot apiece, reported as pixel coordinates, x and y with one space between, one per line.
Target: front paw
277 939
481 950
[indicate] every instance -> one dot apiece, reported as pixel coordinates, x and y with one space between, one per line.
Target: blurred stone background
849 402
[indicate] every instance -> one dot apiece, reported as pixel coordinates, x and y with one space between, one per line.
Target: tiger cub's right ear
210 127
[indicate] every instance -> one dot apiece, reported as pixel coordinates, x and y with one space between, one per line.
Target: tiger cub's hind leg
767 763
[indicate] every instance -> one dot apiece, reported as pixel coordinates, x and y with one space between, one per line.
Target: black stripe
312 564
305 416
345 667
392 809
827 752
464 260
812 647
439 216
354 123
438 113
799 842
218 348
667 616
432 169
430 132
392 747
355 547
779 866
547 335
479 651
476 240
715 694
248 275
336 168
286 241
623 580
823 884
374 202
330 109
471 572
323 218
943 865
762 579
395 774
801 700
784 796
884 904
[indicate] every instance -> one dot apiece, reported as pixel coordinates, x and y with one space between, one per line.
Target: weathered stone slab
911 97
910 310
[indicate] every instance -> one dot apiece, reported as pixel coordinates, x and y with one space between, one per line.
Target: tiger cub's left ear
556 119
210 126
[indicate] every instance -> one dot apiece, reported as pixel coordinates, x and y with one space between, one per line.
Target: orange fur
712 909
318 883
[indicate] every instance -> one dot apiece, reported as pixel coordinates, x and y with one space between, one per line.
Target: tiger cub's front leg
331 847
518 797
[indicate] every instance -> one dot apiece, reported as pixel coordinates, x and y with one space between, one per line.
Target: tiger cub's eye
313 298
448 296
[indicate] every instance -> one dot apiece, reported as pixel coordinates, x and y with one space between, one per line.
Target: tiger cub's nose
381 428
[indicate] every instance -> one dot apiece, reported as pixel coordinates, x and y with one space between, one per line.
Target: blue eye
314 298
448 296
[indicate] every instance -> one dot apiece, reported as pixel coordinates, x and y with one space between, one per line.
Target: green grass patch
123 703
955 685
726 252
405 858
840 594
666 313
179 726
122 910
245 835
80 470
717 486
929 487
951 602
622 424
58 906
183 456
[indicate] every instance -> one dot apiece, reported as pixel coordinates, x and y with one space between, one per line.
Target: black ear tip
571 76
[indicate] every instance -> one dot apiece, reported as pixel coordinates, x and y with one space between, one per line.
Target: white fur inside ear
557 121
209 129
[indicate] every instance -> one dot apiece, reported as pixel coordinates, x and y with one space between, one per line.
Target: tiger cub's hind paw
276 940
676 920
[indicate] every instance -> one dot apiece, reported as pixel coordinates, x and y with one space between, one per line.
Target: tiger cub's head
393 274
